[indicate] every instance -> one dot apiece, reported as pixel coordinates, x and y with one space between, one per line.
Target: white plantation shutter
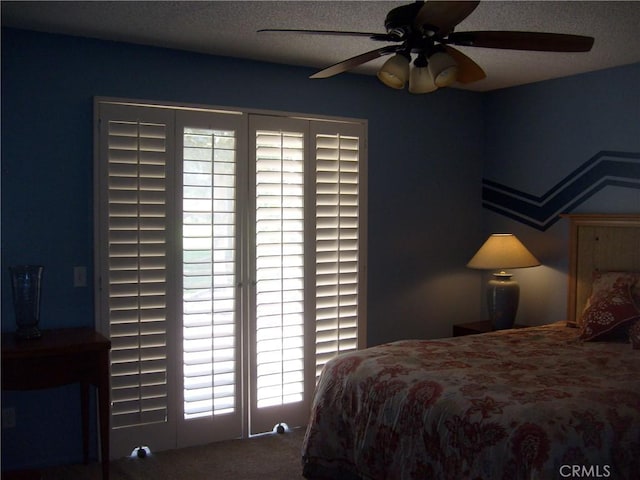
279 267
210 293
209 272
136 147
280 304
231 254
137 266
339 275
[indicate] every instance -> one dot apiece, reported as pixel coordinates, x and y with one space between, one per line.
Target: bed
553 401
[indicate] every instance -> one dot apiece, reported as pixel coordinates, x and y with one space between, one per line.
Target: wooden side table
61 357
472 328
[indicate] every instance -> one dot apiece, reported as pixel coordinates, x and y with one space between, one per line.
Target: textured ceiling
229 28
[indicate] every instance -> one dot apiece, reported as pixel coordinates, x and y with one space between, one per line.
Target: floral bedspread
531 403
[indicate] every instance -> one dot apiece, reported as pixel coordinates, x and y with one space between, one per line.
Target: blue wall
570 145
425 170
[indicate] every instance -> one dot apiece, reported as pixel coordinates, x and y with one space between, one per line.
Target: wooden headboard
599 242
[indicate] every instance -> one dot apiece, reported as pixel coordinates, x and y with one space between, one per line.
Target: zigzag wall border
603 169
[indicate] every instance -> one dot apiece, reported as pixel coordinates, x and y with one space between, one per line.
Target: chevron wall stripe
603 169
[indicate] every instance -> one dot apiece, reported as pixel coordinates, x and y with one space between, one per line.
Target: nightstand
472 328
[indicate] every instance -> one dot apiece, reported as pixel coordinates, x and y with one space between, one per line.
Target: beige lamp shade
500 251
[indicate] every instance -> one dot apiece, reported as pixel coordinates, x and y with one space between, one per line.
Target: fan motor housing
402 18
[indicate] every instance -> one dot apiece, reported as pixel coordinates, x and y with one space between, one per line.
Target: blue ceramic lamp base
503 294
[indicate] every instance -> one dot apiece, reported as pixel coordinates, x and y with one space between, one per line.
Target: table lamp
499 252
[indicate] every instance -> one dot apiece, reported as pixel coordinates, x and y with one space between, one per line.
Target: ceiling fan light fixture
420 80
395 71
443 69
428 28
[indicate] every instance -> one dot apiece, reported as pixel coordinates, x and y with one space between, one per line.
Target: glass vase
25 283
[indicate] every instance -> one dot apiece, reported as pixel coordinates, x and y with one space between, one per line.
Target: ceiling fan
426 29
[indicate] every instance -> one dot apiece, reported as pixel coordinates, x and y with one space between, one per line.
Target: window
230 248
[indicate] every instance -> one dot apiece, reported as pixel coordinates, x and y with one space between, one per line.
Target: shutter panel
137 270
279 267
337 245
209 272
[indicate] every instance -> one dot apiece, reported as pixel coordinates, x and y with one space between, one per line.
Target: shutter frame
134 201
340 151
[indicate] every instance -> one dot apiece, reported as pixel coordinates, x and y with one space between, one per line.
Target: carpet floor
266 457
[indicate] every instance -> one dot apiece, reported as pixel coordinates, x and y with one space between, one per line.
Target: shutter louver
279 267
137 273
337 246
209 278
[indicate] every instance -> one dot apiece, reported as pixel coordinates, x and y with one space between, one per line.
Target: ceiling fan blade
544 42
374 36
468 70
444 15
353 62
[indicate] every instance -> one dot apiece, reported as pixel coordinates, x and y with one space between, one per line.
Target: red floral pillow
604 282
608 311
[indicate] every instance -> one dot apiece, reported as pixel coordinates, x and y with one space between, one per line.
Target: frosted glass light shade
443 69
420 81
395 71
500 251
